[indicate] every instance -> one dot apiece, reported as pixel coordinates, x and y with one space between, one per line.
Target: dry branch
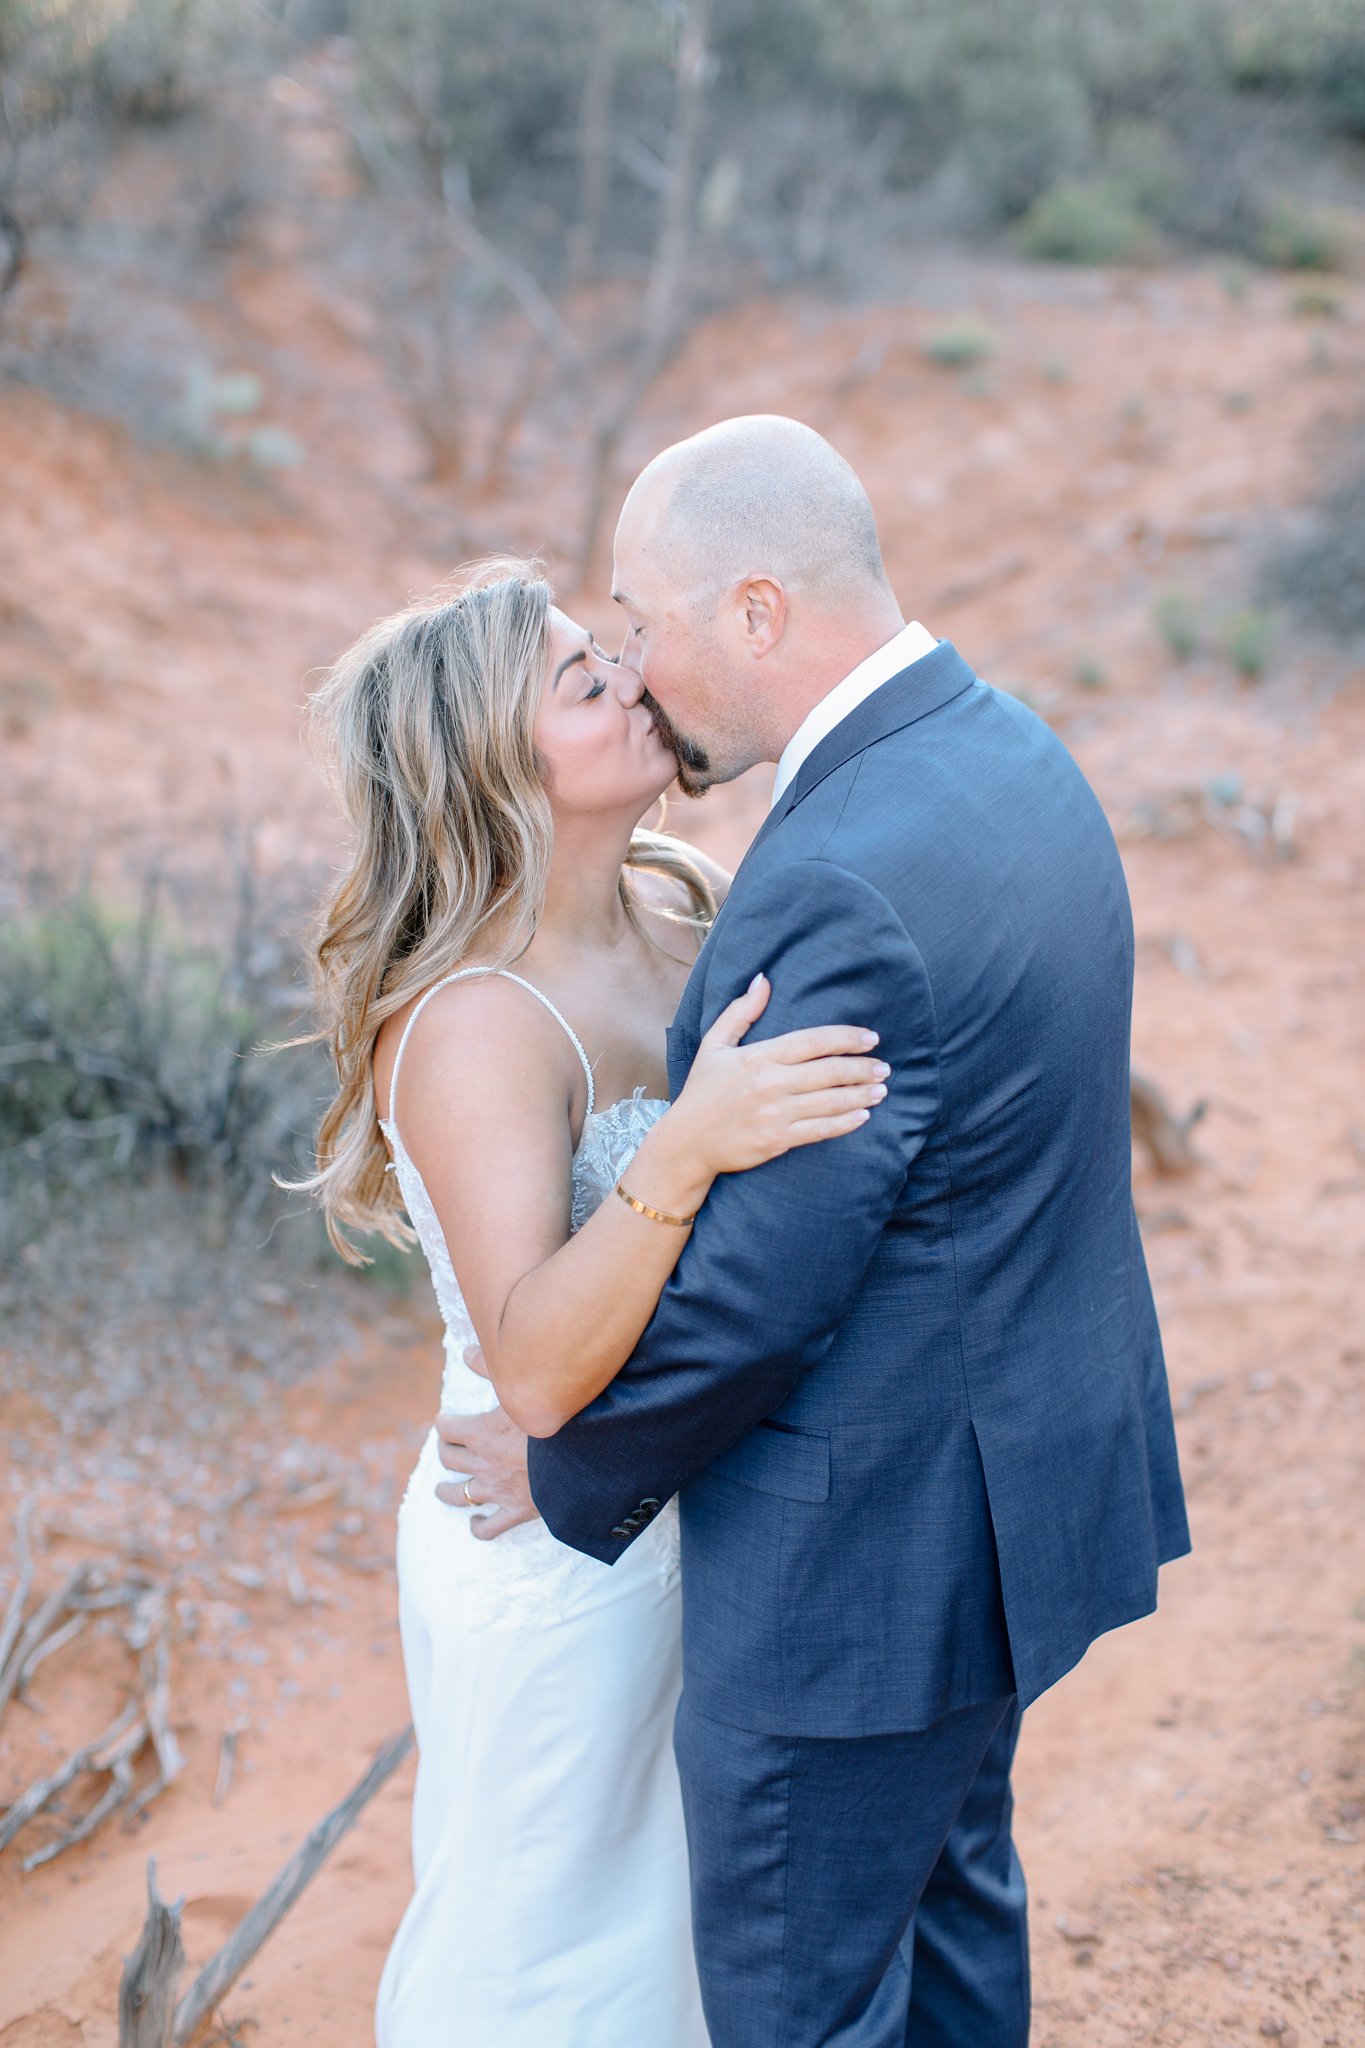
665 293
18 1599
58 1640
1166 1136
39 1626
86 1758
146 1636
118 1761
217 1977
147 1988
227 1760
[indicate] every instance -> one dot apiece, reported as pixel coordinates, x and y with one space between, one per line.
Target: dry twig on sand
145 1719
1166 1136
88 1757
227 1760
23 1585
152 1972
46 1617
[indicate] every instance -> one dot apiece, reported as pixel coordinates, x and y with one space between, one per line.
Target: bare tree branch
665 293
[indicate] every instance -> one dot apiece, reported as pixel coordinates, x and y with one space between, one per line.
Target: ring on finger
469 1498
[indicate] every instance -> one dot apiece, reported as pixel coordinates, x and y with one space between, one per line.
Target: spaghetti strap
562 1020
464 974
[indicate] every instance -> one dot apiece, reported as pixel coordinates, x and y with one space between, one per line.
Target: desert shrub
1318 573
1144 162
1295 237
959 344
1316 302
1177 621
1085 223
1341 80
1029 130
131 1029
1248 638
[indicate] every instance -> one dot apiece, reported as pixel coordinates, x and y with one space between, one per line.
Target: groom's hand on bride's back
488 1452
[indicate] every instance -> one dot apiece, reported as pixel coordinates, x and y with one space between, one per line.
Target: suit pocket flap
793 1463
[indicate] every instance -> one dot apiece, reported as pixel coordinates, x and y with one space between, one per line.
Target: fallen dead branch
23 1585
1166 1136
1263 825
227 1760
117 1758
147 1988
45 1617
86 1758
152 1973
145 1720
58 1640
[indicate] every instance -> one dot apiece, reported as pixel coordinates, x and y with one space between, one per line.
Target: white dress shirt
912 643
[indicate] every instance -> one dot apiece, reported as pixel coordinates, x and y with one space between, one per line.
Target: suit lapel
925 686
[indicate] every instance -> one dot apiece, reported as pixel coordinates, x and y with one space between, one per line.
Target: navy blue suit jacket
908 1383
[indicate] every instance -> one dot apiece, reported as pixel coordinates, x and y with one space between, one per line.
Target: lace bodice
610 1139
524 1568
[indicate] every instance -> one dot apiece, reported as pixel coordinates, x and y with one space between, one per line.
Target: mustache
694 763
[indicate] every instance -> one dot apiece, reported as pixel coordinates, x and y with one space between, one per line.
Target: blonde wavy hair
426 729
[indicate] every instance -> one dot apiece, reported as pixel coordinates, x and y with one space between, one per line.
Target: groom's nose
629 657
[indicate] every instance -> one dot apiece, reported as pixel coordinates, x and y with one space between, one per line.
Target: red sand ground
1192 1800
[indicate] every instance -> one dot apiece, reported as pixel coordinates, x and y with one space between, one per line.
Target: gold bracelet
654 1215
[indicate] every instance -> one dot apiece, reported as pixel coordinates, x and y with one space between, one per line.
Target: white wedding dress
551 1905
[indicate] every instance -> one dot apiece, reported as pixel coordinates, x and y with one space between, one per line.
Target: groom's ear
764 604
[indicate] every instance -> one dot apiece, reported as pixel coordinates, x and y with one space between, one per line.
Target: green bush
1086 223
1144 163
1319 575
1294 237
1024 129
1247 640
1177 621
1316 302
959 344
1341 81
131 1039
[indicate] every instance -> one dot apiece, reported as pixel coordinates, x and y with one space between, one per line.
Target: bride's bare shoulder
484 1028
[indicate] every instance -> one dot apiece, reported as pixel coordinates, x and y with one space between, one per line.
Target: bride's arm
486 1095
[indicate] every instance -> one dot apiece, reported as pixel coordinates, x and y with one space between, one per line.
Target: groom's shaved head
751 577
759 496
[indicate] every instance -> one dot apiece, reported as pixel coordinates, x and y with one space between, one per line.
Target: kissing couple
804 1409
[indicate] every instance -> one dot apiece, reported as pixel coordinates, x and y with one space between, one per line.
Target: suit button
620 1532
649 1508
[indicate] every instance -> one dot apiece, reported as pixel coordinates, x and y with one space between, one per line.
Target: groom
908 1386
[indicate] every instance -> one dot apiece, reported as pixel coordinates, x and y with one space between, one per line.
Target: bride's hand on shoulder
745 1104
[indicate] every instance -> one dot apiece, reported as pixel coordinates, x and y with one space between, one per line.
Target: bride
497 965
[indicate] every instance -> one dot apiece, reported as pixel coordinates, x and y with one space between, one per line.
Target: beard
695 774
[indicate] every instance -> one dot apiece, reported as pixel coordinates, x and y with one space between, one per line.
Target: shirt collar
911 644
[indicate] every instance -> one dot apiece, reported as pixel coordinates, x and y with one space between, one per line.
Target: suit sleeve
778 1254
